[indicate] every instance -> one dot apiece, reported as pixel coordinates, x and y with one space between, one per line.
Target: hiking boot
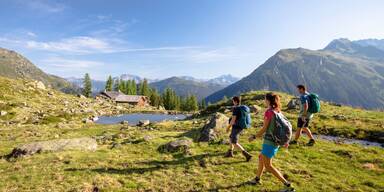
255 181
311 142
229 154
247 156
288 187
294 142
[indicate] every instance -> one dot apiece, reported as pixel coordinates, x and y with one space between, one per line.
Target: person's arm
265 127
233 121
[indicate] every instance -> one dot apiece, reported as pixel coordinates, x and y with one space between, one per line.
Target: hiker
238 123
304 116
270 146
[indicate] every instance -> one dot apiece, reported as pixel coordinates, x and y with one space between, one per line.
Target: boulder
2 113
147 138
293 103
81 96
124 122
340 117
83 144
255 109
143 123
87 120
40 85
181 145
210 130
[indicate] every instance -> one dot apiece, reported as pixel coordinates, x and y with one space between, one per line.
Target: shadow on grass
153 165
229 187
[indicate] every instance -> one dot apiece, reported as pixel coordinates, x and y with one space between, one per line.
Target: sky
163 38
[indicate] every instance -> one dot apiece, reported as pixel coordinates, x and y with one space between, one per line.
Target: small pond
134 118
349 141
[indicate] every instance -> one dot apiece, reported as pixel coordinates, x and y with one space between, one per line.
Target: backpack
282 132
245 120
314 103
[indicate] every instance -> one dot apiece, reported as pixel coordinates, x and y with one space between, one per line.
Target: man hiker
304 116
237 125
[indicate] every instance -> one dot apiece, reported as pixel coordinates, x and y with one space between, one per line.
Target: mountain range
345 72
183 85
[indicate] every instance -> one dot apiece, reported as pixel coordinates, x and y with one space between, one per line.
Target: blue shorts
269 150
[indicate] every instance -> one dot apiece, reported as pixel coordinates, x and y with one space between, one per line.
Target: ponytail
274 100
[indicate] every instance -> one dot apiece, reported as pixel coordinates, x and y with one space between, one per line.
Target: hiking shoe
294 142
229 154
255 181
311 142
247 156
289 188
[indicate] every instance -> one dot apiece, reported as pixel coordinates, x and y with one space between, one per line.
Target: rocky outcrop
143 123
210 130
181 145
293 103
84 144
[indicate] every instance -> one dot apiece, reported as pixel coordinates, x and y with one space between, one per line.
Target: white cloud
76 45
70 64
44 5
31 34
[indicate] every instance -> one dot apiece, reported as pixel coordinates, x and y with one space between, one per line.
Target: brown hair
301 87
274 100
236 99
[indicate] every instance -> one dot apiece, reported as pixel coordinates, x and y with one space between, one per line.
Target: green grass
137 165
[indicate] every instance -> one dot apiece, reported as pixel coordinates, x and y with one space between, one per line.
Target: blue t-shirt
237 113
304 98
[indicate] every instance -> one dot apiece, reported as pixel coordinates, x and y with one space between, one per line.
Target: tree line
168 99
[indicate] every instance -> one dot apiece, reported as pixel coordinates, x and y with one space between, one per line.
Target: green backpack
314 103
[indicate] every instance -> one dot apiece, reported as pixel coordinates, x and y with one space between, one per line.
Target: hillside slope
343 72
13 65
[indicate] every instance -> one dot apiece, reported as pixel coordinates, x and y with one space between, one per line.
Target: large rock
40 85
83 144
293 103
181 145
255 109
2 113
143 123
210 130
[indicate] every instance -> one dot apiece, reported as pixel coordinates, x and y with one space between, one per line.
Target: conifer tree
109 84
87 86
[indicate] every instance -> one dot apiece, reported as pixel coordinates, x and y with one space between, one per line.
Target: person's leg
239 146
268 165
308 132
260 169
298 133
247 156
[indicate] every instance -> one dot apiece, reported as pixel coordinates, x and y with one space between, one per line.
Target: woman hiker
269 149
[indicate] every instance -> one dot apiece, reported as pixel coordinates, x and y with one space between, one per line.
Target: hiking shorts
302 124
235 133
269 150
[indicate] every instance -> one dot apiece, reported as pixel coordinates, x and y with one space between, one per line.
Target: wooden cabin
120 97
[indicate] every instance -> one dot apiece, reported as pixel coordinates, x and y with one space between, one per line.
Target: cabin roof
121 97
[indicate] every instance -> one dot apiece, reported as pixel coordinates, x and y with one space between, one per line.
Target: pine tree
87 86
193 105
144 88
109 84
155 98
203 104
116 85
133 87
122 85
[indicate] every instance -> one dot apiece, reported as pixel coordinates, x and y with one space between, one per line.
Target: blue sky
163 38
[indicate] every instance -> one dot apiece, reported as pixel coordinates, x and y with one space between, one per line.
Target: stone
87 120
40 85
181 145
369 166
124 122
210 130
2 113
116 145
255 109
340 117
83 144
81 96
147 138
293 103
143 123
